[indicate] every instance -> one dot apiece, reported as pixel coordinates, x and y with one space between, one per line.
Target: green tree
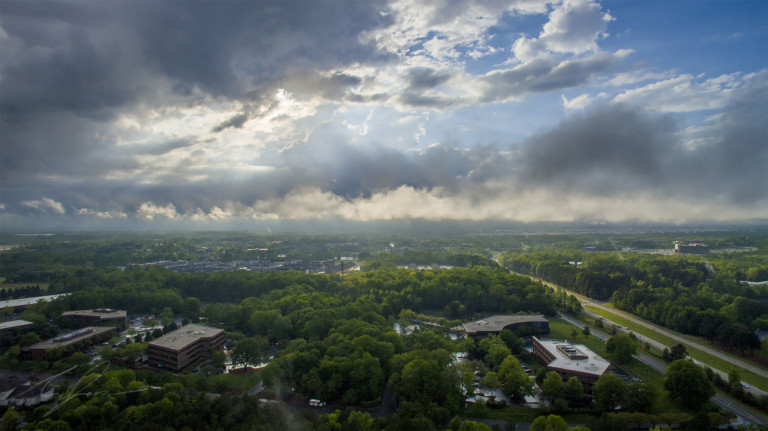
496 354
218 358
549 423
11 420
166 316
192 308
640 397
515 383
574 390
687 384
246 352
28 339
358 421
491 380
734 379
678 352
553 386
621 348
609 392
473 426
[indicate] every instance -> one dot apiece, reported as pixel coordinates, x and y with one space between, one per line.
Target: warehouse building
178 349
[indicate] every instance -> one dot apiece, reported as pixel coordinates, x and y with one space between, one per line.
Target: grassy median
708 359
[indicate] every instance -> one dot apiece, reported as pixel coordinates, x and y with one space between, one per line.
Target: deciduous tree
687 383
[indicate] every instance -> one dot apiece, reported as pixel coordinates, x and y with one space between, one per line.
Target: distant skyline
202 115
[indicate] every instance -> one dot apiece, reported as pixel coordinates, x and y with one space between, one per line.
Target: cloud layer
208 112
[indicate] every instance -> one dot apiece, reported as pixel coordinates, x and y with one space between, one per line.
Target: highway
666 332
744 415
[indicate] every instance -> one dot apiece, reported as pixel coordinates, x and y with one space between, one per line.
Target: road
666 332
744 415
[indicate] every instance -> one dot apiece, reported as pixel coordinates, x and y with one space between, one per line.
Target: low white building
570 360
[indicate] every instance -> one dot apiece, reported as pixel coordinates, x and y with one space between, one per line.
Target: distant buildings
185 345
89 334
208 266
20 304
691 248
96 316
495 324
571 360
13 325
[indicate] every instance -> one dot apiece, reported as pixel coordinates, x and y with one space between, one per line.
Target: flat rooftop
104 313
185 336
498 323
70 338
28 301
575 357
15 324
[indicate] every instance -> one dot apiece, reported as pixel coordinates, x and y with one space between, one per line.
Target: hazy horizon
345 115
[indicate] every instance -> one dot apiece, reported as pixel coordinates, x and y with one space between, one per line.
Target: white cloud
582 101
628 78
573 28
45 205
106 215
684 93
437 32
489 201
149 210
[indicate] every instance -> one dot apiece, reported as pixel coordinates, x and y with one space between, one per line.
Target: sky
143 114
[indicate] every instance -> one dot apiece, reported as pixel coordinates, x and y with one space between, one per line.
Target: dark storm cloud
236 122
603 151
617 149
305 84
421 79
425 101
542 75
69 69
733 166
163 148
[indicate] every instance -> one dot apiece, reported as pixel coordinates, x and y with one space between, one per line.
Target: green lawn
713 361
